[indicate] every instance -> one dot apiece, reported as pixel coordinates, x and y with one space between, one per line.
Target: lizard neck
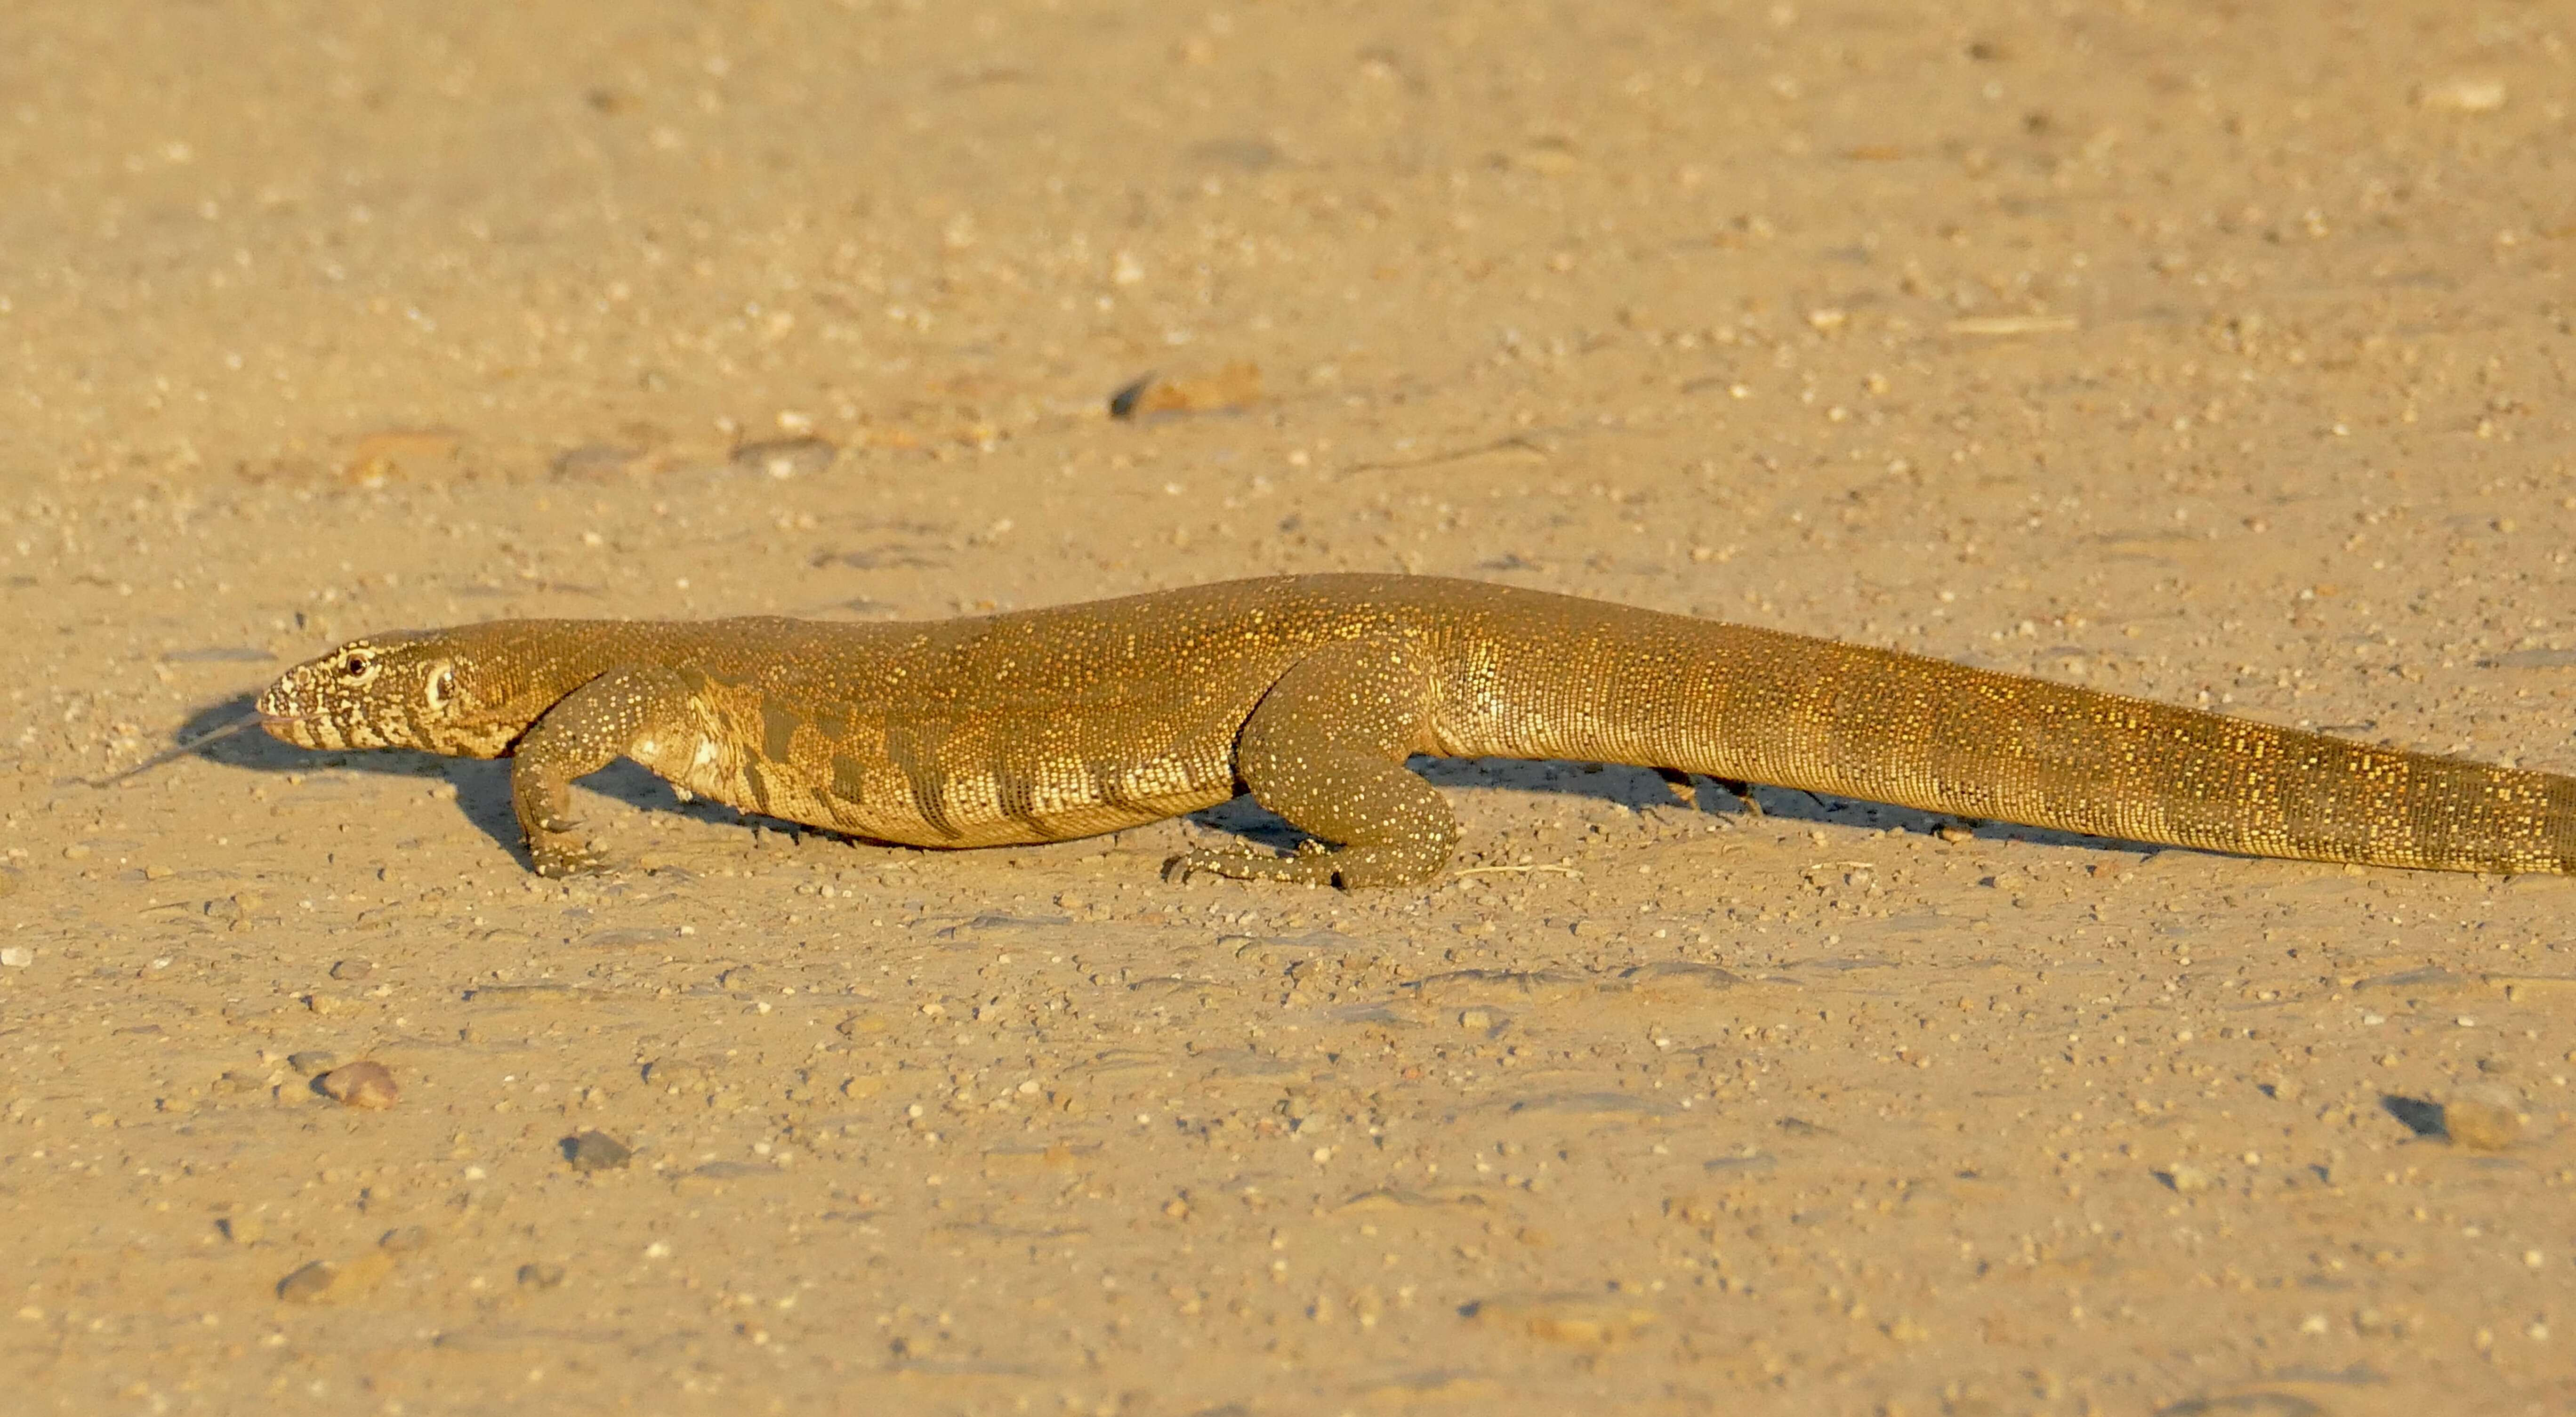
512 671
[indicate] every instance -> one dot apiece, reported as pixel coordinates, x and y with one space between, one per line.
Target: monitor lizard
1312 691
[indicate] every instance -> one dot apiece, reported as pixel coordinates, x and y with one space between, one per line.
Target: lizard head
407 689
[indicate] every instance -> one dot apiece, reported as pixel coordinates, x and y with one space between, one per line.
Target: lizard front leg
620 712
1325 749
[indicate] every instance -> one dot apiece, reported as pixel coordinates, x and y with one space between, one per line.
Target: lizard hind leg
1325 749
619 713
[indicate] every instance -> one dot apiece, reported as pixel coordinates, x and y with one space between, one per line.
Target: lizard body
1311 691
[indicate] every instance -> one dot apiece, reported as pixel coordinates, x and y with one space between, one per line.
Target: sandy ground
2215 353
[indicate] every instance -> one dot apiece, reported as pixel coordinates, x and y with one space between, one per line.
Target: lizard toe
556 859
1312 868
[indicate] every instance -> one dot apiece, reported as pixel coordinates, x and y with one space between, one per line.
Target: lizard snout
287 713
278 702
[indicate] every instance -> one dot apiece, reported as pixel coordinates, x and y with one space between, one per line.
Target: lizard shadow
1639 790
1642 790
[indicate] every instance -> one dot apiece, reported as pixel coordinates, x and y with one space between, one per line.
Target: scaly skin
1310 692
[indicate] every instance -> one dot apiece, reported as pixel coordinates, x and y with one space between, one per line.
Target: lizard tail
1789 711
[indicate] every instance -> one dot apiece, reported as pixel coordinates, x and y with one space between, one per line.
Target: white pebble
2462 95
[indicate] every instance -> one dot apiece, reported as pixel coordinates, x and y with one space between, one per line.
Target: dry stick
1521 441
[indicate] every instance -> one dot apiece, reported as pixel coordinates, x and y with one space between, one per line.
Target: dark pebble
364 1083
596 1151
403 1239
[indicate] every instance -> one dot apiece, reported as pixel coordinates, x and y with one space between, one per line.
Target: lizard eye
356 666
441 686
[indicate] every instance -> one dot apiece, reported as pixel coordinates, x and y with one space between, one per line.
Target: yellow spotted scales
1311 691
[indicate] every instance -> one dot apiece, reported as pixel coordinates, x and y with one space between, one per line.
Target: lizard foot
565 855
1312 865
1315 864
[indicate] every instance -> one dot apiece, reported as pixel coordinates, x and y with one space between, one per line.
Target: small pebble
2462 95
365 1083
352 969
17 956
2187 1178
595 1151
242 1229
540 1274
312 1061
1582 1320
323 1282
681 1072
1237 385
594 460
2481 1126
308 1283
403 1239
786 457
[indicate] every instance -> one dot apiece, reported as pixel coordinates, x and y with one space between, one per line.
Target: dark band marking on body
1109 780
777 730
849 780
915 751
842 796
1015 793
